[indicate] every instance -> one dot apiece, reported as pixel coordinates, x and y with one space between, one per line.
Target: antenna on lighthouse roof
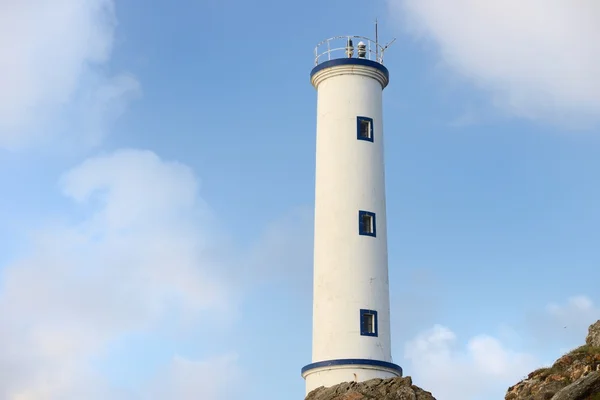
376 42
379 49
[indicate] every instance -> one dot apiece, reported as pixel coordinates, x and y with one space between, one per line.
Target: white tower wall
350 269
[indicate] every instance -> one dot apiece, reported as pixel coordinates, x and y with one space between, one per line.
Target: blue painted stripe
350 61
352 361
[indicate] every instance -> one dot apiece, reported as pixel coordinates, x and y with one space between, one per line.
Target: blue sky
157 167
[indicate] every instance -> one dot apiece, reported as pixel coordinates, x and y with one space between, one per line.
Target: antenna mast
376 42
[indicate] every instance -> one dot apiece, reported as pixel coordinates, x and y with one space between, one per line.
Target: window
364 127
368 323
366 223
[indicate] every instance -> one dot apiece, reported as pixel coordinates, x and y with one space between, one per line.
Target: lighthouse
351 306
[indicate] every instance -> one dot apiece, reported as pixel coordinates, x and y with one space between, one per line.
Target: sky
157 176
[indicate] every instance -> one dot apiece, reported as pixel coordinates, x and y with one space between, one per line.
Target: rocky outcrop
374 389
593 337
574 376
585 388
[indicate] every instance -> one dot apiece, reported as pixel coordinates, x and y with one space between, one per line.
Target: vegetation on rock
574 376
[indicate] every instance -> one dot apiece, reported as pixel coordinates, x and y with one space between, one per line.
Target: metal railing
363 46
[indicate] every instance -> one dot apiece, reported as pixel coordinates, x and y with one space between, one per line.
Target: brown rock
547 390
593 337
352 396
574 376
556 378
581 389
374 389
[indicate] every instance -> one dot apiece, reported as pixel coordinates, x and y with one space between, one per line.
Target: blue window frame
364 128
366 223
368 323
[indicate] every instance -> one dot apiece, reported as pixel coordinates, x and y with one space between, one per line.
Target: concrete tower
351 310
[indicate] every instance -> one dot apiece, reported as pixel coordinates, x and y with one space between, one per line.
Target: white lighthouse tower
351 310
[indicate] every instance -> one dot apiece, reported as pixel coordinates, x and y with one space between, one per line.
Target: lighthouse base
334 372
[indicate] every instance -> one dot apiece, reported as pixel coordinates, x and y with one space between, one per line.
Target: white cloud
565 325
483 368
538 58
138 254
578 309
51 56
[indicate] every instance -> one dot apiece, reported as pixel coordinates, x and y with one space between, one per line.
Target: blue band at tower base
352 361
350 61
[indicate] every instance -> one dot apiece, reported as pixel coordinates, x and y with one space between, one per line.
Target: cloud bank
484 367
565 324
479 370
539 59
139 253
52 57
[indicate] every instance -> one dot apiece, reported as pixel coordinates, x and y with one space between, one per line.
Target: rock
374 389
574 376
593 337
581 389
